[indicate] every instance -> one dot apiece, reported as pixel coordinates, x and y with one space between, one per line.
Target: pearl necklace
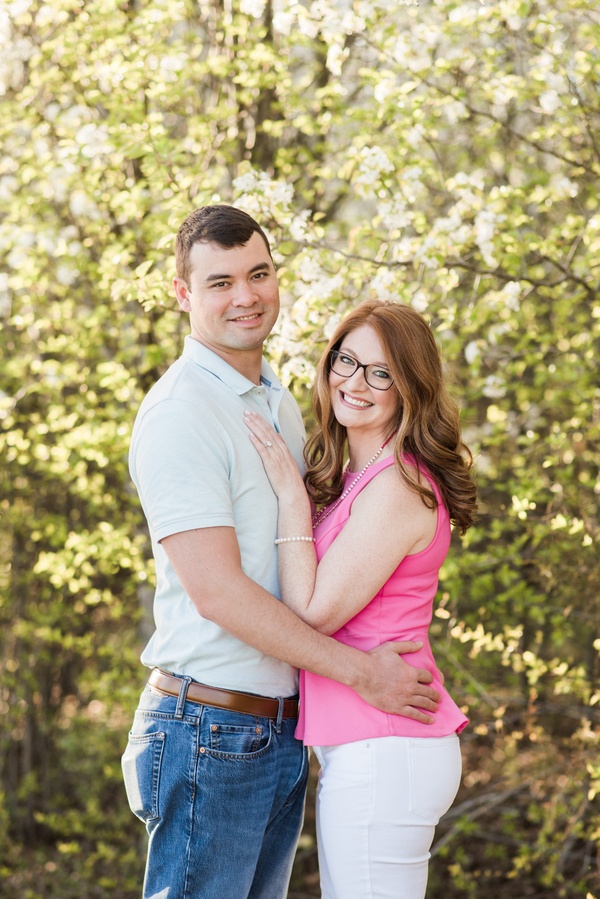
318 517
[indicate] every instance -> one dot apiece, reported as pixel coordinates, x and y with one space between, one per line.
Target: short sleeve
180 467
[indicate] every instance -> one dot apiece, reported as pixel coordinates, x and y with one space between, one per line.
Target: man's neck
247 362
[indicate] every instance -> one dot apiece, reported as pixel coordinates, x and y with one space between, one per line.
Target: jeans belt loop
271 707
280 701
185 683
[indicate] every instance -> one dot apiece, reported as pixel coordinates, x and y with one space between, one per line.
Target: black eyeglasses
345 365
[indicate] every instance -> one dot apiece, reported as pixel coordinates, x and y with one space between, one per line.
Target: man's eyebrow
259 267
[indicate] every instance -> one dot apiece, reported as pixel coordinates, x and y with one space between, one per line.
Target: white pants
378 802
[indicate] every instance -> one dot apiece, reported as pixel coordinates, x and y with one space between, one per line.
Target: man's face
232 298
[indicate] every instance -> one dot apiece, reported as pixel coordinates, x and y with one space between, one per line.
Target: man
212 766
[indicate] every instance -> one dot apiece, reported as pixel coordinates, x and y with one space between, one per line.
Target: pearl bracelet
293 540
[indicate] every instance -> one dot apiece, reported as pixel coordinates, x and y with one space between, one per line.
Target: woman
381 531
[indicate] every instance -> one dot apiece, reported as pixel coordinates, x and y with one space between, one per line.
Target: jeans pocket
235 740
141 764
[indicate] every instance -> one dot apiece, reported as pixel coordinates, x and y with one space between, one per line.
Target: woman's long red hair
426 425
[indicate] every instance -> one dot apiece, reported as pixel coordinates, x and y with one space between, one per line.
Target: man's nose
245 294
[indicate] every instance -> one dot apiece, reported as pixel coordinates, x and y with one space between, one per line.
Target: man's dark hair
224 225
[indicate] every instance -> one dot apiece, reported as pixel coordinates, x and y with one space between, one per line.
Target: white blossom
550 102
415 135
298 226
254 8
564 187
463 14
472 351
51 111
494 387
394 213
8 187
373 163
419 301
497 331
22 49
258 192
172 63
427 250
336 54
74 116
5 27
511 295
384 88
325 287
515 23
308 23
454 111
281 193
245 183
297 369
485 229
66 275
283 21
46 15
331 324
93 140
59 181
384 284
82 205
18 8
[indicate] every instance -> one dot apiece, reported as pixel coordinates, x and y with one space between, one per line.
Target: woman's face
356 403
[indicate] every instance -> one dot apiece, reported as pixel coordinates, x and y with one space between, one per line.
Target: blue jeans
222 797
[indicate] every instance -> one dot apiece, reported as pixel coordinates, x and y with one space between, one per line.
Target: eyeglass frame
333 355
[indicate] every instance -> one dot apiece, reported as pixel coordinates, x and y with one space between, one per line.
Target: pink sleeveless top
332 713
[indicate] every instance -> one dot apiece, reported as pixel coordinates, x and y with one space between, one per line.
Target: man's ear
182 293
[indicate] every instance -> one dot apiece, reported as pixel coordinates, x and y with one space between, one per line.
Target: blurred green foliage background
444 154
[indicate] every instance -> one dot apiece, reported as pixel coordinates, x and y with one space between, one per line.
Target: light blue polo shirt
194 466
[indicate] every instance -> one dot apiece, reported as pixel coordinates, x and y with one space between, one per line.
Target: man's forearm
223 594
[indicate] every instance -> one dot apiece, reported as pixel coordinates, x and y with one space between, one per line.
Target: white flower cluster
82 205
8 187
562 186
372 164
284 17
485 230
261 197
254 8
294 321
298 227
15 52
5 298
384 284
550 101
258 192
464 14
510 295
297 369
415 46
94 140
454 111
313 282
494 387
419 301
394 213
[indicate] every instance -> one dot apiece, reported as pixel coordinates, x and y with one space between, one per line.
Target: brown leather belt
247 703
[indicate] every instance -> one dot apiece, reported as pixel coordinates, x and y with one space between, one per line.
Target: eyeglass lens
344 365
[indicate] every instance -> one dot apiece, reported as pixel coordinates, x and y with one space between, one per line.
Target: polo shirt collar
210 361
